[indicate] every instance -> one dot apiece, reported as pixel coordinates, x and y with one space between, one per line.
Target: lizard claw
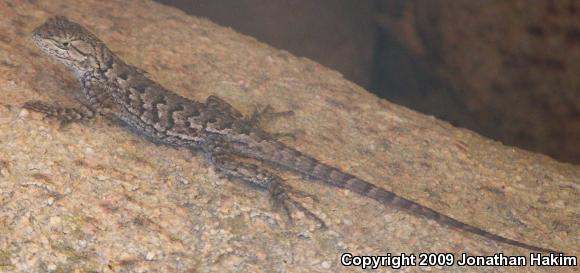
283 135
291 135
37 106
300 193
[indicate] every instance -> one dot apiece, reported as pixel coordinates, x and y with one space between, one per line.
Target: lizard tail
287 157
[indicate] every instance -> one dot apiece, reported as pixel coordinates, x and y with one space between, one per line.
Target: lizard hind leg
281 195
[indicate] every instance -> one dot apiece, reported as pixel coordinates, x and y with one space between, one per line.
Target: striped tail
287 157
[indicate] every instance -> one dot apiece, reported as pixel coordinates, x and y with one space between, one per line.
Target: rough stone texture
94 198
506 69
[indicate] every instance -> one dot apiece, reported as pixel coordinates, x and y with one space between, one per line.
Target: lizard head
69 43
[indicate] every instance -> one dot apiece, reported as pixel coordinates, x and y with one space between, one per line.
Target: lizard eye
61 44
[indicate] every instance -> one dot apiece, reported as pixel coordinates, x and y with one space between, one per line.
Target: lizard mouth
35 38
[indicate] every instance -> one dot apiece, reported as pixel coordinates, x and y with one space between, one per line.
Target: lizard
227 139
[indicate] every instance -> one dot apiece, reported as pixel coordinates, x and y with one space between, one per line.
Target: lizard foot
281 199
62 114
266 113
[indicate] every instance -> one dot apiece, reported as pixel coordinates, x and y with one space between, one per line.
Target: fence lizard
122 92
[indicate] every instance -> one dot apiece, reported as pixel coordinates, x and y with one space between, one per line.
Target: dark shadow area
507 71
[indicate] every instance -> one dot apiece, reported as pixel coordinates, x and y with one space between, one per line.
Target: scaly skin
124 93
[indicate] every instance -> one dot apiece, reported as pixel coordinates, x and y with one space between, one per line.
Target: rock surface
95 198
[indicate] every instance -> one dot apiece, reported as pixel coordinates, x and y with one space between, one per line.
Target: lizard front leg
95 101
63 114
263 179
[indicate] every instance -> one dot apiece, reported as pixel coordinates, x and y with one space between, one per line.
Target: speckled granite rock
94 198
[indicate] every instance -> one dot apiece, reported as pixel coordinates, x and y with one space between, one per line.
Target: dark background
509 70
